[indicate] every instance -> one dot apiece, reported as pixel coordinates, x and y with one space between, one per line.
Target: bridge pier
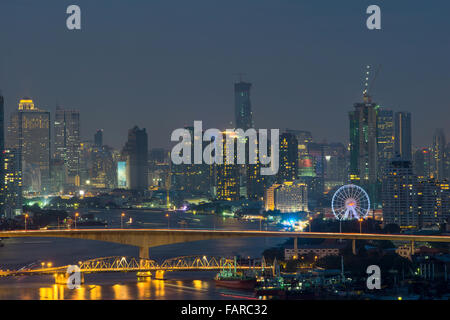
160 275
354 247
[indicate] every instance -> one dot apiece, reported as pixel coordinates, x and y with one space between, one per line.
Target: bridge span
147 238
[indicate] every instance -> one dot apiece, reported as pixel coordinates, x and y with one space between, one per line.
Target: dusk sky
161 64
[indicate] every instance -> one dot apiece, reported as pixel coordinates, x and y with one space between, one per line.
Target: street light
360 225
168 220
121 219
76 216
26 218
310 221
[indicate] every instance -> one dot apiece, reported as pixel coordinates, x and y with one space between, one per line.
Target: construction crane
369 84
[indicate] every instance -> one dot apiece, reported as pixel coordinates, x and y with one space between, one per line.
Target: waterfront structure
12 183
319 251
67 142
403 146
399 194
29 133
136 153
242 106
289 196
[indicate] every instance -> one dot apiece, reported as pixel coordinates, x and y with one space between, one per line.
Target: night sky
161 64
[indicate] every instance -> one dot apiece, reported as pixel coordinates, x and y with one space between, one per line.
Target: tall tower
242 105
288 170
136 152
67 140
98 138
385 138
439 145
403 135
29 133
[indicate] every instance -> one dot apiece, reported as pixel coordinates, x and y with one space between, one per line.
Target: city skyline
146 69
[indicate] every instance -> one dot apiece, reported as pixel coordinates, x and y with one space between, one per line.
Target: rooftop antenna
240 75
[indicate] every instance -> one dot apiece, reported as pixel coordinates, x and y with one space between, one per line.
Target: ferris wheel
350 202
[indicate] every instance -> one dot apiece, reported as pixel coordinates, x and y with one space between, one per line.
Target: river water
20 252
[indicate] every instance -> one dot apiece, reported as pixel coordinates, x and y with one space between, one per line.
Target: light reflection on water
180 285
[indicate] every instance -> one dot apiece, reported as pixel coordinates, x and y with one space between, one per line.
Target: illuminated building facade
433 202
288 158
67 141
29 133
385 138
228 176
290 196
12 183
399 194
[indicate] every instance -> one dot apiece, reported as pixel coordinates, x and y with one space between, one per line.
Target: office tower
288 158
433 199
242 107
29 133
58 175
228 176
136 153
422 163
192 178
363 148
289 196
86 165
303 139
255 181
67 142
402 135
439 145
335 165
12 183
447 162
98 138
103 172
399 194
385 138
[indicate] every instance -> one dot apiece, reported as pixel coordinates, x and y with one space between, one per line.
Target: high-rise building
67 141
98 138
2 147
12 183
433 202
29 134
385 138
136 153
288 158
242 106
439 145
228 176
363 147
422 163
402 142
399 194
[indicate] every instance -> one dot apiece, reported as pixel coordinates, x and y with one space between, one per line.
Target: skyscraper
29 134
422 163
363 147
136 153
227 176
2 147
12 182
402 140
399 194
243 107
439 145
67 141
98 138
288 157
385 138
